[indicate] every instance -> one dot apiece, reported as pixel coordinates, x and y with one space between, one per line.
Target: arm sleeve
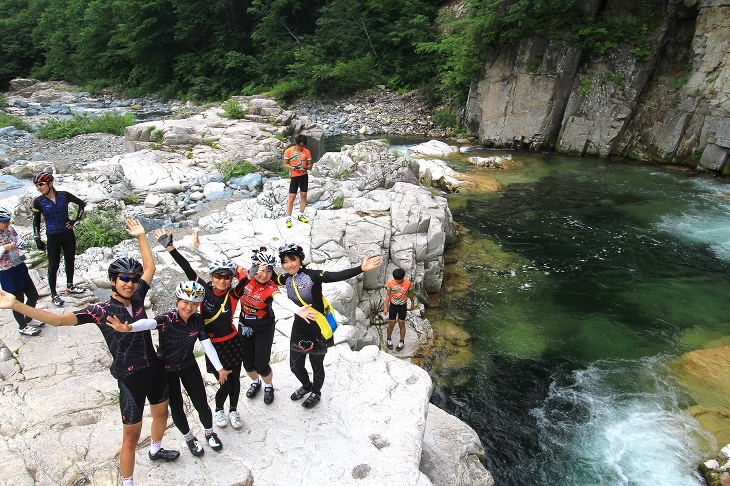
341 275
211 354
144 325
284 302
36 219
210 253
184 264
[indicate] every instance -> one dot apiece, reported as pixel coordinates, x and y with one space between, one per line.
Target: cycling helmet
125 265
5 214
291 249
190 290
42 177
222 266
263 257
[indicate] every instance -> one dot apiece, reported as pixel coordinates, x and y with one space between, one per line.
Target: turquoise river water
605 271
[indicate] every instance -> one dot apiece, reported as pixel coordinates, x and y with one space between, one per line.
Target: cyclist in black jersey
178 331
53 206
305 286
135 365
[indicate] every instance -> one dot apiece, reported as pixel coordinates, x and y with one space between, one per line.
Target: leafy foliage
232 109
232 168
107 123
13 121
102 229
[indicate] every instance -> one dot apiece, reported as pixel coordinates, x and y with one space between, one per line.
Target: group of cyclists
206 311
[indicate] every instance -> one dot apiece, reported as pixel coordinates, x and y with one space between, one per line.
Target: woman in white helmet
178 331
14 276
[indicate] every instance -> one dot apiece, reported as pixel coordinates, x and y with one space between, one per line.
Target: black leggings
296 363
231 388
193 383
57 243
257 349
31 293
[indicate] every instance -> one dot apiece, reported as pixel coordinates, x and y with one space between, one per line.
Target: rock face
540 96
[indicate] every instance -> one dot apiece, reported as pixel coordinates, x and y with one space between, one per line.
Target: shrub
337 203
112 123
130 198
102 229
232 168
13 121
3 100
445 117
232 109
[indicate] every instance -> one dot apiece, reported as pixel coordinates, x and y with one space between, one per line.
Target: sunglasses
305 345
41 184
126 278
223 276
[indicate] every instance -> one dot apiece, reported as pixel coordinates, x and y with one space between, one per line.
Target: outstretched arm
135 229
8 301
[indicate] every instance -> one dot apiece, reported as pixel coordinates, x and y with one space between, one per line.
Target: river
586 277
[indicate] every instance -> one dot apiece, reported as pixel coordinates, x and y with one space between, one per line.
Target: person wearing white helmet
14 276
139 373
178 330
217 310
257 321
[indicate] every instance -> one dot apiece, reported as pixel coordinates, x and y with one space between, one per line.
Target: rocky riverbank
384 430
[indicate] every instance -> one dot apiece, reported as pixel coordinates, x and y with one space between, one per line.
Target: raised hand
196 240
164 236
370 263
134 228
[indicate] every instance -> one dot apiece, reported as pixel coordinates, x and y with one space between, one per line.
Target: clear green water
604 271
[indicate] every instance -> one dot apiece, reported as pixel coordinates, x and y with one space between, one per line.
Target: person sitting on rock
178 331
298 159
397 292
135 365
257 321
14 276
305 286
60 235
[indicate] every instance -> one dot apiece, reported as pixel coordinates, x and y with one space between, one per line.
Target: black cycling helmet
125 265
291 249
42 177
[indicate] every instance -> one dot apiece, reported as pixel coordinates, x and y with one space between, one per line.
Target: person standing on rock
60 235
217 310
397 292
298 160
14 276
140 375
305 286
257 321
178 331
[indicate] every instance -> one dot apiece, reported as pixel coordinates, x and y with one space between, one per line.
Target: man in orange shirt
298 160
397 292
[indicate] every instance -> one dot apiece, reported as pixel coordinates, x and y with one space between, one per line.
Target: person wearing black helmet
60 236
178 331
14 276
257 321
305 286
135 365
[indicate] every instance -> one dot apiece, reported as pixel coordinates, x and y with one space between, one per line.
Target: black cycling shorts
397 311
299 182
149 383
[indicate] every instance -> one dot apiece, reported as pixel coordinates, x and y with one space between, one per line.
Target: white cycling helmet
263 257
222 266
5 214
190 290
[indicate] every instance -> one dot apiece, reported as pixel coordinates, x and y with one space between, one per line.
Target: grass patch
102 229
112 123
231 168
232 109
13 121
337 203
130 198
445 118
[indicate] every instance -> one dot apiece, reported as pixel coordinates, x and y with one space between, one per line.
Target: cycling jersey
256 300
177 339
54 213
297 157
131 351
396 292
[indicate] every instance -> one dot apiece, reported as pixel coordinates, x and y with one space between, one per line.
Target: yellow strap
208 321
324 326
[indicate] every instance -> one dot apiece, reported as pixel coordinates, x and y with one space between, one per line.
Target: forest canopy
210 50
